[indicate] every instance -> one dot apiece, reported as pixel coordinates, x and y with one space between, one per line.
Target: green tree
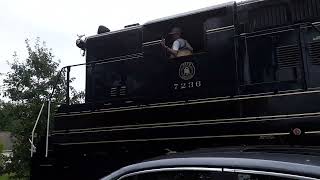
1 147
1 160
31 81
7 110
28 85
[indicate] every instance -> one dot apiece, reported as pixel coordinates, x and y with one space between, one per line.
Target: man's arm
173 51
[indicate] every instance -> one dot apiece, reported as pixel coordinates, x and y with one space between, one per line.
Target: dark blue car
257 163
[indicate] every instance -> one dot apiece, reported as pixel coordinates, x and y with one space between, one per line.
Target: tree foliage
31 81
7 111
28 85
1 159
1 147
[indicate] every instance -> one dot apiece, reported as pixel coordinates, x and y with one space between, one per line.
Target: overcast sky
59 21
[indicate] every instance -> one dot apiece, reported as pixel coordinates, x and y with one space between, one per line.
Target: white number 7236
187 85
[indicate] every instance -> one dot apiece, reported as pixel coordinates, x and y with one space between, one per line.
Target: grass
4 177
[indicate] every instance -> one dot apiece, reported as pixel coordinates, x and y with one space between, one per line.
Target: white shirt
181 44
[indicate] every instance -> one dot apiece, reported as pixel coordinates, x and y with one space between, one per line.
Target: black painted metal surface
253 79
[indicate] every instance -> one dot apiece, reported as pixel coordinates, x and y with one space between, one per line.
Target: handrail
33 148
56 83
48 124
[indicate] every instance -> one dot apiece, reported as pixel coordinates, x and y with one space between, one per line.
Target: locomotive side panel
146 73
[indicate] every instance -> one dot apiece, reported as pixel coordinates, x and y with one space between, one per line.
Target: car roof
301 163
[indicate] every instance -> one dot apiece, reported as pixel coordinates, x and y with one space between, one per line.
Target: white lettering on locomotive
187 85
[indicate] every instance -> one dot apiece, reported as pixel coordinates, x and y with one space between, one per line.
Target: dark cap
175 30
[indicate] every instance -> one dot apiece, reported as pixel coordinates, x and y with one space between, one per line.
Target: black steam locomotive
253 78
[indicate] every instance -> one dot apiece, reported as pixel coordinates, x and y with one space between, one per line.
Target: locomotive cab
136 68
